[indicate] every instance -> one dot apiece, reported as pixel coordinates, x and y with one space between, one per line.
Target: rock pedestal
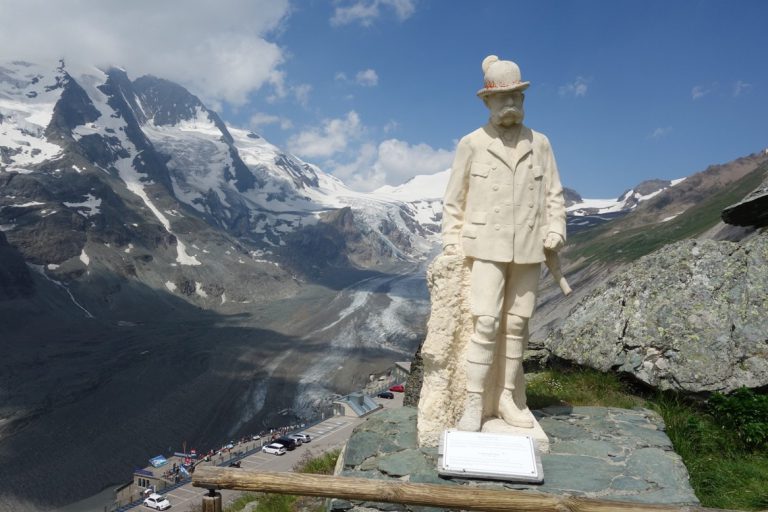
595 452
450 326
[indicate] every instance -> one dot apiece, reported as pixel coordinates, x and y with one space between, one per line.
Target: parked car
386 394
290 444
234 464
274 448
398 387
157 501
304 438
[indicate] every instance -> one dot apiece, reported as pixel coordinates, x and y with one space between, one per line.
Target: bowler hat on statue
501 76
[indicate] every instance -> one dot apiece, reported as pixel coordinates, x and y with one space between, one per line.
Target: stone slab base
498 426
594 452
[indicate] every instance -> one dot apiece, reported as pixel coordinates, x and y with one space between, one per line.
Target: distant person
503 207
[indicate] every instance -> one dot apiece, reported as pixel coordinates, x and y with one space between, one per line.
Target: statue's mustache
509 111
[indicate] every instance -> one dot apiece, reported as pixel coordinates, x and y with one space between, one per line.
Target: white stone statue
503 215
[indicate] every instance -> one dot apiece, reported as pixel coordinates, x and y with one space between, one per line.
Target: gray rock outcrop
691 316
750 211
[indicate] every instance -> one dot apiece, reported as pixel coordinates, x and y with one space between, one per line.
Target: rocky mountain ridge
164 277
140 177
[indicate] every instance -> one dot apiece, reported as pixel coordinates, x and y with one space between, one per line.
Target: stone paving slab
595 452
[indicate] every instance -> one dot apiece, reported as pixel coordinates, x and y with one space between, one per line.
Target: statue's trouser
496 287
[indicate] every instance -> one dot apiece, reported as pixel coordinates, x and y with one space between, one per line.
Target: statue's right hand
450 250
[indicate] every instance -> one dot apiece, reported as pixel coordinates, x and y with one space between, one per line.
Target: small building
401 371
153 478
355 405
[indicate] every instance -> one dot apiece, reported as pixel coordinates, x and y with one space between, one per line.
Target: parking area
328 435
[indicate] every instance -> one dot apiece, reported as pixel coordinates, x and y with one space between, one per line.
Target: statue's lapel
496 146
524 144
510 156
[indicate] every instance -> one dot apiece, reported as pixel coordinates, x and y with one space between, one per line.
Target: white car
304 438
274 448
157 501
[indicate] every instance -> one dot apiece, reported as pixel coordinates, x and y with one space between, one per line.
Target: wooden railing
431 495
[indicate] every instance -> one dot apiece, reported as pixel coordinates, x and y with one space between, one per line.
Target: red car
398 387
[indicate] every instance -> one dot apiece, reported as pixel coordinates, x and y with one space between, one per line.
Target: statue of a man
503 208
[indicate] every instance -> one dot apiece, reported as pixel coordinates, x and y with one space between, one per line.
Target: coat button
530 205
497 227
497 209
495 187
530 223
530 187
530 166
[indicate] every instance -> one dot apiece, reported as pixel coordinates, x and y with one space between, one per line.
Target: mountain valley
166 278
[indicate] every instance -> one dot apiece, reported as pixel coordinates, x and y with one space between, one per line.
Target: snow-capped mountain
625 202
90 149
425 192
155 258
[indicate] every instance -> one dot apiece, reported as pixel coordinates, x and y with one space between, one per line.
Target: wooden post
432 495
212 501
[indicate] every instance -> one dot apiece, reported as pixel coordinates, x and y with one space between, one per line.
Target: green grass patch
579 387
727 467
276 503
322 464
725 473
240 503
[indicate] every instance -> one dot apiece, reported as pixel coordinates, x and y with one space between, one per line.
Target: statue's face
506 107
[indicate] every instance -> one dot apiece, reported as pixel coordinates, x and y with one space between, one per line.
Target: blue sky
376 91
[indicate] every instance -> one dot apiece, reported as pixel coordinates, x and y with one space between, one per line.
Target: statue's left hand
554 242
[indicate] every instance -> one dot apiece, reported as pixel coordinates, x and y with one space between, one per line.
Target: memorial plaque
494 456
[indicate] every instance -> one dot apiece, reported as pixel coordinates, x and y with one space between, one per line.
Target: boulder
690 316
750 211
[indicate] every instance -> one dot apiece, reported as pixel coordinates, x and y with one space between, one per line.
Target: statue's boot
512 404
479 358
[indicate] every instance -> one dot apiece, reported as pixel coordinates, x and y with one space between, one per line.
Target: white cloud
740 88
660 132
259 119
578 88
329 139
357 170
344 147
391 126
219 50
302 93
399 161
367 78
699 91
393 162
366 12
